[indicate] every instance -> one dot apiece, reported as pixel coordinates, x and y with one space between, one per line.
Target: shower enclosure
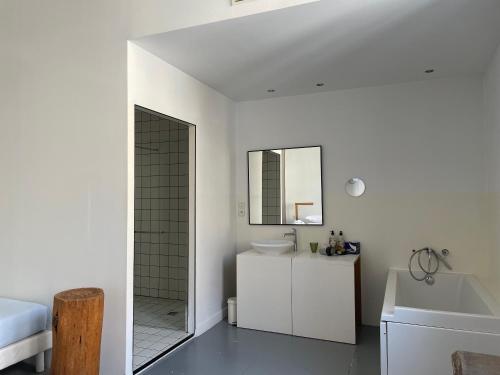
162 244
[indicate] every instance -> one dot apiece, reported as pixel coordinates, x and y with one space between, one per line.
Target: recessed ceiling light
320 84
429 71
271 90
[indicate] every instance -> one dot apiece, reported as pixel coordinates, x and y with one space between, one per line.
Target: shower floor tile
159 323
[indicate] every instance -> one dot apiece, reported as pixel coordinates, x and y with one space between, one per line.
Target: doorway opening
163 235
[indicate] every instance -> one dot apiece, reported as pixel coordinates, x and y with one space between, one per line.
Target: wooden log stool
76 331
465 363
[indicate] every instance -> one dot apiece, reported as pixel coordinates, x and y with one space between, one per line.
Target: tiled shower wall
271 188
161 207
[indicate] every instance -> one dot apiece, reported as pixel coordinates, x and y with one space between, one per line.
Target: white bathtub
422 325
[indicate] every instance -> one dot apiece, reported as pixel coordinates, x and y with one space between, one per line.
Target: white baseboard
204 326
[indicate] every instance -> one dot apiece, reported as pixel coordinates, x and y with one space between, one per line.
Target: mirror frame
321 183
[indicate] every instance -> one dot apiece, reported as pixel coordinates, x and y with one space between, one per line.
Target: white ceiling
342 43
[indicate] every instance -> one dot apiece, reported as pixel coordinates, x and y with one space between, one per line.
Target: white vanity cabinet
324 291
303 294
264 292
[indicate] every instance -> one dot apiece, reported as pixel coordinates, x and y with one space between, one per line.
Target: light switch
241 209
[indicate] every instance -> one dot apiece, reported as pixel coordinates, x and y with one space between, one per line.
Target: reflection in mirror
284 186
355 187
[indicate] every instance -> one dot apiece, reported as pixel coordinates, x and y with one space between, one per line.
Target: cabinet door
323 302
264 293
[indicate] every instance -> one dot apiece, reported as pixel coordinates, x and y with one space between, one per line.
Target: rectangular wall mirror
285 186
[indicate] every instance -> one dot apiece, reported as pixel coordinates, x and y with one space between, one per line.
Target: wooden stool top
465 363
79 294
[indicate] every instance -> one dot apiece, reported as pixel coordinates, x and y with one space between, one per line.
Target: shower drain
172 313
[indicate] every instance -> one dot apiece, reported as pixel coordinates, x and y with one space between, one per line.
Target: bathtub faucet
428 270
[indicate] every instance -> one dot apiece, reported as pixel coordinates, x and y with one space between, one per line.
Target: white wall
158 86
158 16
419 148
63 155
63 149
492 138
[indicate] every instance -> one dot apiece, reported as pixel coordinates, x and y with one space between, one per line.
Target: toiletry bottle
332 243
332 240
340 246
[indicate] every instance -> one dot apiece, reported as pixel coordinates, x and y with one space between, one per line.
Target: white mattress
19 319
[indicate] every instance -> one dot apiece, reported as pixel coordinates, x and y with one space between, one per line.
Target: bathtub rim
441 318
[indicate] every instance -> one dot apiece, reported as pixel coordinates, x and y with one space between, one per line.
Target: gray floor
226 350
20 369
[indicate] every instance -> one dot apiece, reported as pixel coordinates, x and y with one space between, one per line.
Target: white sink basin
272 247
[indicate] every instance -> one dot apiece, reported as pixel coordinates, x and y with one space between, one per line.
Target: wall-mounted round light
355 187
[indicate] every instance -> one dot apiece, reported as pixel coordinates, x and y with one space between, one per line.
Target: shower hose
433 262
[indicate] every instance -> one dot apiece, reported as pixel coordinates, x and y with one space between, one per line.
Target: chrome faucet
429 270
294 234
